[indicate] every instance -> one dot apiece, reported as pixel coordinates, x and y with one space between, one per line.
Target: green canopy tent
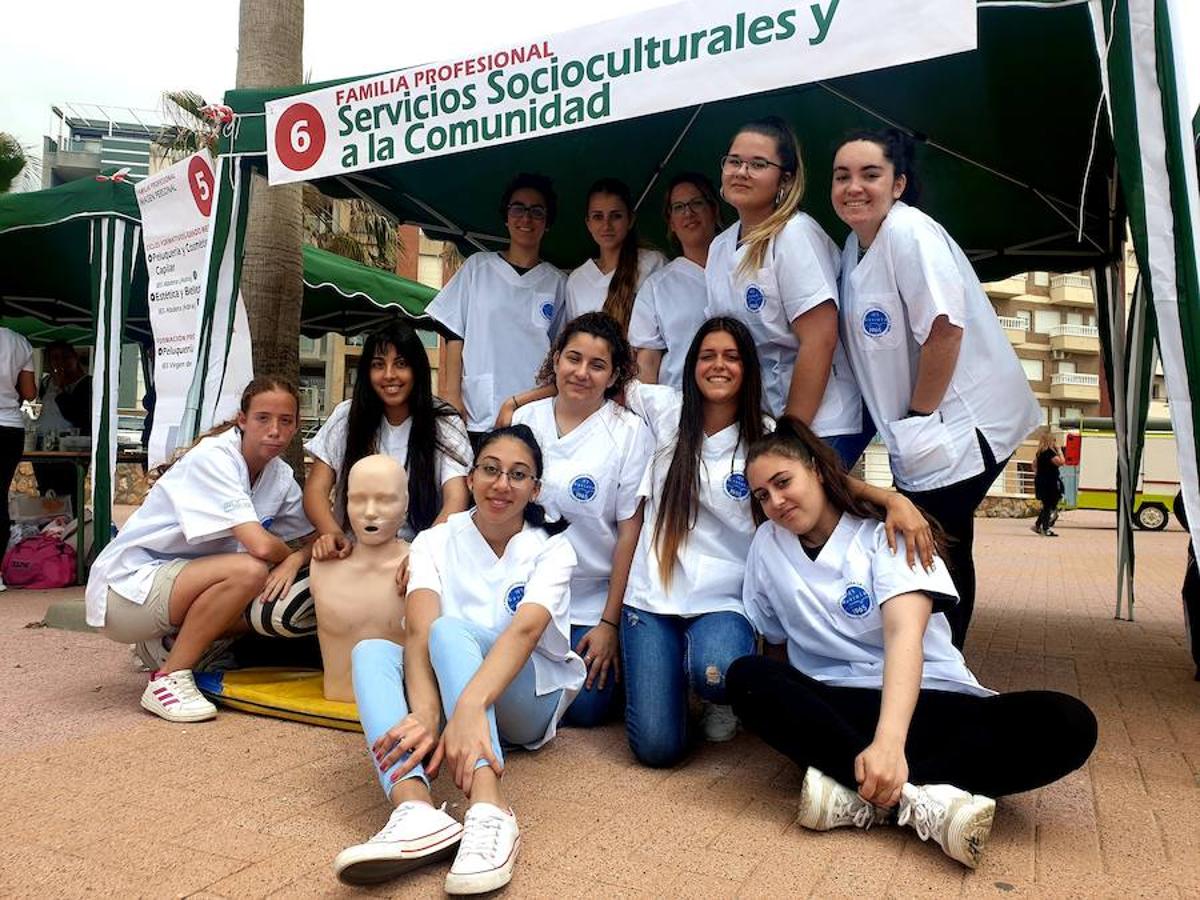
51 276
1017 155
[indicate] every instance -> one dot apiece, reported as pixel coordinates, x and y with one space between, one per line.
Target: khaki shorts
127 622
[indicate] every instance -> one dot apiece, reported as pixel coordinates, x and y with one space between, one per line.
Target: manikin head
376 499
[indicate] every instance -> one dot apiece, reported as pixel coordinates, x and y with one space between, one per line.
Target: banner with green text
661 59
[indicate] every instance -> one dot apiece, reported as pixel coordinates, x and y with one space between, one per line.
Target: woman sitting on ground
206 543
859 651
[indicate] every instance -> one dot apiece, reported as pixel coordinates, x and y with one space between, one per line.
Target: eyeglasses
517 475
520 210
696 205
755 166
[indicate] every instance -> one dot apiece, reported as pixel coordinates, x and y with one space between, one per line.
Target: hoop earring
779 197
721 192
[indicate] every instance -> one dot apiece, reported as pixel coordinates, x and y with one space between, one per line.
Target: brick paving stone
107 801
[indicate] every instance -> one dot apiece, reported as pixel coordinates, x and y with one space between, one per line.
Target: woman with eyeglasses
775 270
669 308
487 647
503 307
611 280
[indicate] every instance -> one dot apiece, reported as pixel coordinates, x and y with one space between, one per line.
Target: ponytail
623 287
787 202
898 148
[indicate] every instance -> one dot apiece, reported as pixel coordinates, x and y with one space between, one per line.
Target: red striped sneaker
173 696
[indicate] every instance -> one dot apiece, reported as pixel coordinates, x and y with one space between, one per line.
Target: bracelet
515 402
610 622
912 413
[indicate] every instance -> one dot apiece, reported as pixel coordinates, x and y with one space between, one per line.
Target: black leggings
954 508
986 745
12 445
1046 513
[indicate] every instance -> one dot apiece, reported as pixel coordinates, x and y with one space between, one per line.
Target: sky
134 51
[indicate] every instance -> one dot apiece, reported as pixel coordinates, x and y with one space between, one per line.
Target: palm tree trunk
270 42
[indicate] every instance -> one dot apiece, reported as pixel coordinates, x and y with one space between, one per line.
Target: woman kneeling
487 644
861 683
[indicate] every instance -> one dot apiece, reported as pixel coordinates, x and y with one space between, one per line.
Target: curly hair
601 325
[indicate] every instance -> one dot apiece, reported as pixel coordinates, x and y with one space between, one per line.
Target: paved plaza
101 799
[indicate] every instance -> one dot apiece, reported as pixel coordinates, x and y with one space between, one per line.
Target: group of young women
593 552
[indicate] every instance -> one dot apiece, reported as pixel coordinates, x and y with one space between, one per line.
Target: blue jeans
456 650
663 657
849 447
595 706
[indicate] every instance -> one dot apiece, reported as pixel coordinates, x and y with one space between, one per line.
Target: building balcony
1075 338
1072 290
1075 387
1007 288
1014 328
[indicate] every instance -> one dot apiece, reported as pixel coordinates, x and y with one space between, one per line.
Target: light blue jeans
456 650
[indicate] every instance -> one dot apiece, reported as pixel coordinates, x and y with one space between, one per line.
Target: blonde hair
787 203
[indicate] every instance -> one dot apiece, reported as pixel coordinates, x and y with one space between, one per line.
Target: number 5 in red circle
299 136
200 180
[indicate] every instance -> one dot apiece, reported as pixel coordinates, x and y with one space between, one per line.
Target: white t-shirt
827 610
591 477
190 513
799 274
329 446
913 273
710 563
16 356
506 322
455 562
667 313
587 286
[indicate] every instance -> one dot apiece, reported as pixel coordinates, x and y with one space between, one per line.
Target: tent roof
1007 135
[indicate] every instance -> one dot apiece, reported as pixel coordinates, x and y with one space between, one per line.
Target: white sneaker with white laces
488 852
959 821
718 723
173 696
825 804
415 834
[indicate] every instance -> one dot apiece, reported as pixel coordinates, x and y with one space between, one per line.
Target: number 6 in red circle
299 136
200 180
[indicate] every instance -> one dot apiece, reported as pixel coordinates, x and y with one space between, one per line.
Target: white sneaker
415 834
825 804
173 696
960 822
3 586
152 655
488 852
718 723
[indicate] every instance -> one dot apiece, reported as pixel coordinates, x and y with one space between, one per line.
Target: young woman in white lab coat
669 308
861 685
611 280
775 270
504 307
939 377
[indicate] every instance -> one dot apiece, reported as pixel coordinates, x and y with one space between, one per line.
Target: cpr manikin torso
356 597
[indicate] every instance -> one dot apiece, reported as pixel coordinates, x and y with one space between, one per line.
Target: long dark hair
623 287
602 325
535 513
680 503
424 441
793 439
899 149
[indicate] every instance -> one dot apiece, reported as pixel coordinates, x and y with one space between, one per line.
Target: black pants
1045 517
56 476
12 445
954 508
986 745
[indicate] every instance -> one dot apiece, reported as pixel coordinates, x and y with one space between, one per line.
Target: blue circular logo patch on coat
547 311
513 598
736 486
268 522
754 298
875 322
856 602
583 488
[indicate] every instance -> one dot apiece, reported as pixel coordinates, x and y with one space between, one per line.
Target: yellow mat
293 694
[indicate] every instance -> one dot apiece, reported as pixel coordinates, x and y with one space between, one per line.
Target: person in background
610 282
1047 483
669 308
66 396
16 385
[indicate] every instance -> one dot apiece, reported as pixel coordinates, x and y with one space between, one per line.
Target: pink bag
39 563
